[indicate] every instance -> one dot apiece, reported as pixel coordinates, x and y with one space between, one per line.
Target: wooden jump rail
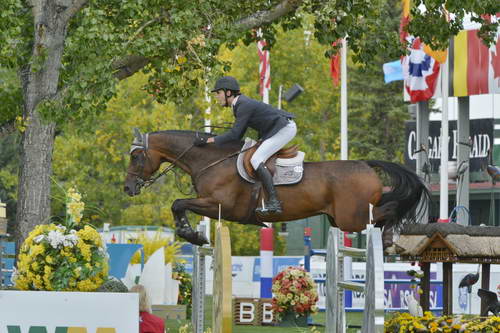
373 319
222 320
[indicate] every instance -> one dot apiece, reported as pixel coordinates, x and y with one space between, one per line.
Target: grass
173 326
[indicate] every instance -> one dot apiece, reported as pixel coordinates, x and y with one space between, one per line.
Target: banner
481 141
43 311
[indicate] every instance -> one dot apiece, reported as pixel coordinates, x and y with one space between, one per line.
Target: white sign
96 312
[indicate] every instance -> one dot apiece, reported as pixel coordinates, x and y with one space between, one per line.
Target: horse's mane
192 134
185 133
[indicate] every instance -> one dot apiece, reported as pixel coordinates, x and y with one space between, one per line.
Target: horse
342 190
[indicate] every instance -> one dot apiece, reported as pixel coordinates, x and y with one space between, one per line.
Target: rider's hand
199 141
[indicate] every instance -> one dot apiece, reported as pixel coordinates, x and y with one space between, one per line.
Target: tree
298 58
377 112
69 55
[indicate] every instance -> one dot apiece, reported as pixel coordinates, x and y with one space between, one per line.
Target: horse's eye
134 157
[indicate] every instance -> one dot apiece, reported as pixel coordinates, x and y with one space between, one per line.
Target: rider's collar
235 99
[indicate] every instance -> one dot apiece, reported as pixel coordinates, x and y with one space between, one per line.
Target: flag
420 69
421 73
404 37
474 68
393 71
264 67
335 66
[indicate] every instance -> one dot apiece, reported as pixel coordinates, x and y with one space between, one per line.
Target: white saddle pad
288 170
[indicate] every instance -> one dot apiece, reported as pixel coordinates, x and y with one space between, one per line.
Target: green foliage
377 113
181 39
10 95
295 58
9 161
435 26
95 161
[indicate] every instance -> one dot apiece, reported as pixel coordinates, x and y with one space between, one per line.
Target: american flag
264 68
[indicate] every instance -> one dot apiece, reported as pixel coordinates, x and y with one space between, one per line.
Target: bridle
143 144
139 175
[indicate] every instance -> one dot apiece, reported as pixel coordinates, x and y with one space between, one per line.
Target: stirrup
270 207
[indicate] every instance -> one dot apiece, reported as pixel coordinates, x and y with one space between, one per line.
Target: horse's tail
409 196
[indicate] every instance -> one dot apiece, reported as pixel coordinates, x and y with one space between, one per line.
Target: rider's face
221 99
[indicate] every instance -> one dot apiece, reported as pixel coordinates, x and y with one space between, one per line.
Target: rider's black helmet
226 83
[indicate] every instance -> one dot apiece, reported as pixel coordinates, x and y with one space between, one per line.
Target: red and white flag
335 65
421 67
264 68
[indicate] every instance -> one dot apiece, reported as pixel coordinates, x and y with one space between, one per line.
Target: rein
147 183
236 153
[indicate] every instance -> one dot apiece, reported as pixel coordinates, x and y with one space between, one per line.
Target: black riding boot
272 204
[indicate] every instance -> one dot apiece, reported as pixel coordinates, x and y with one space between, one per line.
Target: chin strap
225 96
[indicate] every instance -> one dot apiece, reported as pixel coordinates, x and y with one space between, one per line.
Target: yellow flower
36 250
35 265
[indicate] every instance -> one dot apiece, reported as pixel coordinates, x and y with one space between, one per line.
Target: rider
275 128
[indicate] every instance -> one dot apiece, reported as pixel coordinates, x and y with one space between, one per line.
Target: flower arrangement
70 257
151 244
294 292
404 322
185 286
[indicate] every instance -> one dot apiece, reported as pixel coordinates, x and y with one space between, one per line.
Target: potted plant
294 297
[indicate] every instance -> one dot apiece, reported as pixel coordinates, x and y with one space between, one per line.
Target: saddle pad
288 170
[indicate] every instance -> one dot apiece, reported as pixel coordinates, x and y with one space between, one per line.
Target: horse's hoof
193 237
200 239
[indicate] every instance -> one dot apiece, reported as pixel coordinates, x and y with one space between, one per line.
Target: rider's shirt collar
233 104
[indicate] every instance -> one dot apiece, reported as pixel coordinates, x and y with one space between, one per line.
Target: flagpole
266 234
343 101
443 202
208 129
344 153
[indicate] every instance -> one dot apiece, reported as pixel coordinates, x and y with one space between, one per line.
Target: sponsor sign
68 312
480 143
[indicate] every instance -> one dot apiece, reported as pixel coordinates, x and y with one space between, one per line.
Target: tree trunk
33 204
40 83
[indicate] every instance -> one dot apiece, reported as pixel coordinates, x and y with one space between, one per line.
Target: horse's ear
138 135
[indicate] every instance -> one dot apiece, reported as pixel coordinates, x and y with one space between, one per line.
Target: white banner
96 312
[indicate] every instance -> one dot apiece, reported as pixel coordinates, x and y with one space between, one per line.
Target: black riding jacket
262 117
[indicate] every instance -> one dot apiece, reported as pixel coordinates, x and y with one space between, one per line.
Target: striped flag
474 68
264 68
421 67
421 73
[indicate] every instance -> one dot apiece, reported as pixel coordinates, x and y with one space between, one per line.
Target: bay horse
342 190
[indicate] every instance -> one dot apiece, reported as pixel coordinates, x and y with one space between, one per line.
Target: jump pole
222 310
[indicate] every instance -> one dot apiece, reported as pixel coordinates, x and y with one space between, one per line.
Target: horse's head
143 163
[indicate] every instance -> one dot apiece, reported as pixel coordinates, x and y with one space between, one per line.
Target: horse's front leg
182 226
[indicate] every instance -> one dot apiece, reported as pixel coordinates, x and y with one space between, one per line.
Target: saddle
286 165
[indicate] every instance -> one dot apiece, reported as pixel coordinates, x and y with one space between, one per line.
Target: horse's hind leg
182 227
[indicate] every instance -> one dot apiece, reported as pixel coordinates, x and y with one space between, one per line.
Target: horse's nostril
126 189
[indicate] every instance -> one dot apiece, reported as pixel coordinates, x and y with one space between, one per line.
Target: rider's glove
199 141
